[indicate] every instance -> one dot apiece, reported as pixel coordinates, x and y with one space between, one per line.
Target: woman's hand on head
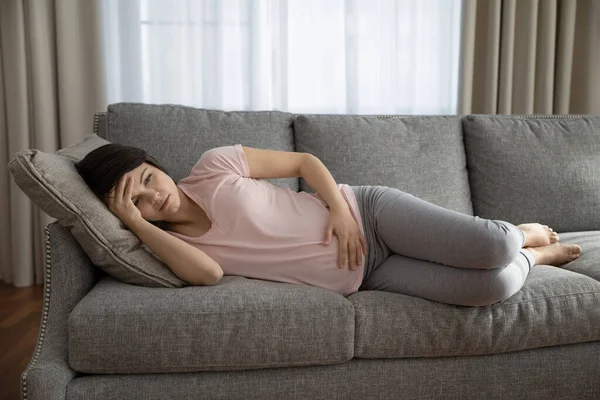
120 203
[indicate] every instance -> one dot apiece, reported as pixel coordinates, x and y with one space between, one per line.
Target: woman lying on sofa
224 219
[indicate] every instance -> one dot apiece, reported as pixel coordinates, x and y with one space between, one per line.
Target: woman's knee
498 285
504 244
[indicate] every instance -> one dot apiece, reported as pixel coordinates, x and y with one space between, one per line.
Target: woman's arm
186 261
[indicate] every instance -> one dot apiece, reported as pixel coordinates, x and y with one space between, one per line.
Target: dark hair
102 168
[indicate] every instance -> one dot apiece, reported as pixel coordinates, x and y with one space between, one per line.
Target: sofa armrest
68 277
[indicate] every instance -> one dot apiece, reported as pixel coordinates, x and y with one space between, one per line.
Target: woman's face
151 188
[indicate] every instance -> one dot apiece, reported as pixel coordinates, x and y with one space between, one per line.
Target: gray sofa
252 339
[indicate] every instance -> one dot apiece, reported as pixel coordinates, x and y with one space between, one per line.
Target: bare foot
555 254
538 235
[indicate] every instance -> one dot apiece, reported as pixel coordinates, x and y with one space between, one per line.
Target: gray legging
420 249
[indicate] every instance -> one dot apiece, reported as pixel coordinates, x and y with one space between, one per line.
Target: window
301 56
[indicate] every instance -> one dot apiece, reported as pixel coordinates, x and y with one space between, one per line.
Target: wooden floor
20 318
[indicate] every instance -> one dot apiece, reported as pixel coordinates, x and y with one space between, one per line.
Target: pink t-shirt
262 231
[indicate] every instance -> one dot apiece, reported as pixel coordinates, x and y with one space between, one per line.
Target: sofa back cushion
423 155
535 169
178 135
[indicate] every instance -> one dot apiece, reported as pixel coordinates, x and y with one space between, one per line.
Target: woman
221 219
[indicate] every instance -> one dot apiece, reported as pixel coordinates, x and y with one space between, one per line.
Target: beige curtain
530 57
51 83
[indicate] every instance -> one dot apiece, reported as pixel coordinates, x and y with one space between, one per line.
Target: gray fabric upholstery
394 325
423 156
79 150
177 135
104 328
68 277
560 372
589 262
100 124
240 323
535 169
52 183
298 341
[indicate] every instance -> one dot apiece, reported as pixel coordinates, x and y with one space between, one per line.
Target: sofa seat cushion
589 262
555 306
238 324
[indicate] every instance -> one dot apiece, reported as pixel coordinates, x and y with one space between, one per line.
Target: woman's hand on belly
352 243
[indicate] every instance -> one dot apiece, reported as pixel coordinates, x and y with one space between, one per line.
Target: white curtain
302 56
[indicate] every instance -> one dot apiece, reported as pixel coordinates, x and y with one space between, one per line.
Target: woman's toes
552 235
574 250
